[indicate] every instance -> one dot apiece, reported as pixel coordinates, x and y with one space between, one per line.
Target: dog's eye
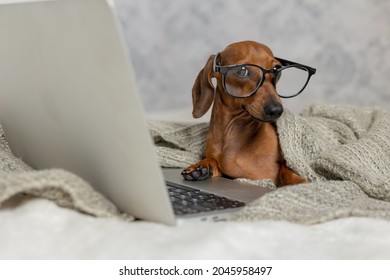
241 71
277 74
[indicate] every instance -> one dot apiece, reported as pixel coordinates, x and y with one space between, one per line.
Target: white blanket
39 229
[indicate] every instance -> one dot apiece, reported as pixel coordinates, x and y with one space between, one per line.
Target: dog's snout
273 110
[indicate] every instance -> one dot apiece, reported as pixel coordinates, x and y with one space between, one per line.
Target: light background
348 41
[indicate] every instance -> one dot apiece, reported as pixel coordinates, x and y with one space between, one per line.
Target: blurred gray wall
348 41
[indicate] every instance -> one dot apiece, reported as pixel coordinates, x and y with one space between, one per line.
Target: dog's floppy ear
203 90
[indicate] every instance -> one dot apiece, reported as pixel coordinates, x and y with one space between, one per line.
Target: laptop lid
68 100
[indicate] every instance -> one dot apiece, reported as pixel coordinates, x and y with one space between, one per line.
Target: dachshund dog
242 141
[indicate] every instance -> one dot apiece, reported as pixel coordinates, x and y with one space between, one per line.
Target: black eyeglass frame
285 64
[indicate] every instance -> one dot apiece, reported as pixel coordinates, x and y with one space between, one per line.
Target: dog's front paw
202 170
197 173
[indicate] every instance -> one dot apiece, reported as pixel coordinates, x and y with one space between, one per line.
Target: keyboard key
192 201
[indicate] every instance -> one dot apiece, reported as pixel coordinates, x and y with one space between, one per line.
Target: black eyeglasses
243 80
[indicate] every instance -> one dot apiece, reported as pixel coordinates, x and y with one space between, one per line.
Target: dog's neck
235 119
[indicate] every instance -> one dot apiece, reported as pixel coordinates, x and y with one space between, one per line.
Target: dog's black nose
274 110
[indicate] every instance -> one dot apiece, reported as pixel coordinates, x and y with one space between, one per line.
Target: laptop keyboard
192 201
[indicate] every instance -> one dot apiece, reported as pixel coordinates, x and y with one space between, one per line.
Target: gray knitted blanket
343 151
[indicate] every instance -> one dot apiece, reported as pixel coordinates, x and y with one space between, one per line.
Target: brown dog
242 141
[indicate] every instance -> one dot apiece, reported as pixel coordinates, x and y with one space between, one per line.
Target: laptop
68 99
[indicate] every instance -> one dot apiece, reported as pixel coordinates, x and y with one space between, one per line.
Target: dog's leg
289 177
202 170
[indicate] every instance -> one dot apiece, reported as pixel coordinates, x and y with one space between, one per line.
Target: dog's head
239 94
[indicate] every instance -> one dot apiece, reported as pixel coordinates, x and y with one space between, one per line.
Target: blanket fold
344 152
60 186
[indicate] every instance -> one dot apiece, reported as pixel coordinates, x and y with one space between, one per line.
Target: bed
42 226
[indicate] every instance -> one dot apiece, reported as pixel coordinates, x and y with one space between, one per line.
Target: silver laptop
68 100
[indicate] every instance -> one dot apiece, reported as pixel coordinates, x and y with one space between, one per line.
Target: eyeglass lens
242 80
291 81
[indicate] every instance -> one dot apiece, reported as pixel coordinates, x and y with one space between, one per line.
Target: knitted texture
60 186
343 151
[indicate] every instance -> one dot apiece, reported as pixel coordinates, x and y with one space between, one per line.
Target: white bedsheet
39 229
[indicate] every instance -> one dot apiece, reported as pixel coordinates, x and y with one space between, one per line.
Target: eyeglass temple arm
288 62
285 62
215 66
